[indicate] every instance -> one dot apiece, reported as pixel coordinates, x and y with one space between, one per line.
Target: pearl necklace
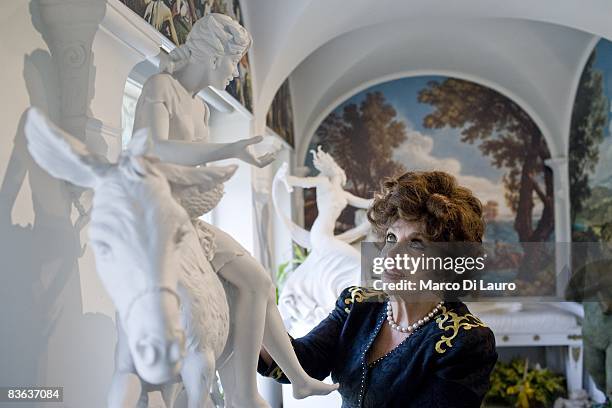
414 326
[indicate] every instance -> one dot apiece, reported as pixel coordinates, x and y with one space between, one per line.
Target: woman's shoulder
460 331
163 88
359 295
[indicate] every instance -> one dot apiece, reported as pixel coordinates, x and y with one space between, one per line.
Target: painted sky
437 149
603 62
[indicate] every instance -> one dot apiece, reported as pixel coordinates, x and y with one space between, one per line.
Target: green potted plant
284 269
515 384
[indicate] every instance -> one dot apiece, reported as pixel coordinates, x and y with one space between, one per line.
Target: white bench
538 325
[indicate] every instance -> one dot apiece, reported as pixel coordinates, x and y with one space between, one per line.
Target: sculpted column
68 29
563 227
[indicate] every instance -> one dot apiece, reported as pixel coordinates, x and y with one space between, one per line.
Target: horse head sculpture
136 231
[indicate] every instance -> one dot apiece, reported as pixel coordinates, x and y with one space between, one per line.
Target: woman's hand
244 153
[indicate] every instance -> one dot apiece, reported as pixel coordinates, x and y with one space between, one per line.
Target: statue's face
223 71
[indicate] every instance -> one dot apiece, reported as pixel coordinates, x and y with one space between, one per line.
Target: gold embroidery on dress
277 373
359 295
467 321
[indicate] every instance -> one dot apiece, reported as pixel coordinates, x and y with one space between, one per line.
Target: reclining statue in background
332 265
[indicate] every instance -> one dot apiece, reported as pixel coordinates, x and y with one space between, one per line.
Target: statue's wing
197 189
355 233
298 234
205 177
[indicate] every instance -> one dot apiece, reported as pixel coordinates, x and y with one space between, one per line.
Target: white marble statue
178 121
173 317
171 306
332 264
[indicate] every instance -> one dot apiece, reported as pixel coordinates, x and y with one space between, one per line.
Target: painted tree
362 139
589 118
505 133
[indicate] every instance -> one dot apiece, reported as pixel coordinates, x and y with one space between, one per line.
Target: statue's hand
246 155
281 175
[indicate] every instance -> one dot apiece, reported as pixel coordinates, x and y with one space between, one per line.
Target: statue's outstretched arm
362 229
305 182
358 201
195 153
189 153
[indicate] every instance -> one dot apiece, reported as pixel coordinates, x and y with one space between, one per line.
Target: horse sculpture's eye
102 248
180 234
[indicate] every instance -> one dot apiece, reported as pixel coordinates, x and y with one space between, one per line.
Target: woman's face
402 237
224 71
406 239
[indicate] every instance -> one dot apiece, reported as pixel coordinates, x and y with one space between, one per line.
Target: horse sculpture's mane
195 276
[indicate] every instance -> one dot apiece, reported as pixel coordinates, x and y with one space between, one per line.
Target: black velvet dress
446 363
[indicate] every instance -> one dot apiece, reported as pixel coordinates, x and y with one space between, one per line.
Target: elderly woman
432 352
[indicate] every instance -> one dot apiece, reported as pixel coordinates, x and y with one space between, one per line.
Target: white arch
540 77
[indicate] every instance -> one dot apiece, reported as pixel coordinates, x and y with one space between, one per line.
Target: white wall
46 339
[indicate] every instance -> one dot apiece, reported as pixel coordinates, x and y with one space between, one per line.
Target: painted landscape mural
477 134
590 158
280 114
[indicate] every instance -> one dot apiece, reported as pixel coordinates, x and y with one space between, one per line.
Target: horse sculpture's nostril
148 352
177 347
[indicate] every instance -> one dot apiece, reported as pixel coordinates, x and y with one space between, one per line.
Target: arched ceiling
491 52
532 51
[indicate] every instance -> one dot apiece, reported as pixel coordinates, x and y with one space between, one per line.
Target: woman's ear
215 62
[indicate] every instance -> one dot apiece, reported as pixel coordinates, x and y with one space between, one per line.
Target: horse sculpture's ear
60 154
207 177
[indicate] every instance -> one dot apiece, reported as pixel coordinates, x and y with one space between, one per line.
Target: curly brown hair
449 211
